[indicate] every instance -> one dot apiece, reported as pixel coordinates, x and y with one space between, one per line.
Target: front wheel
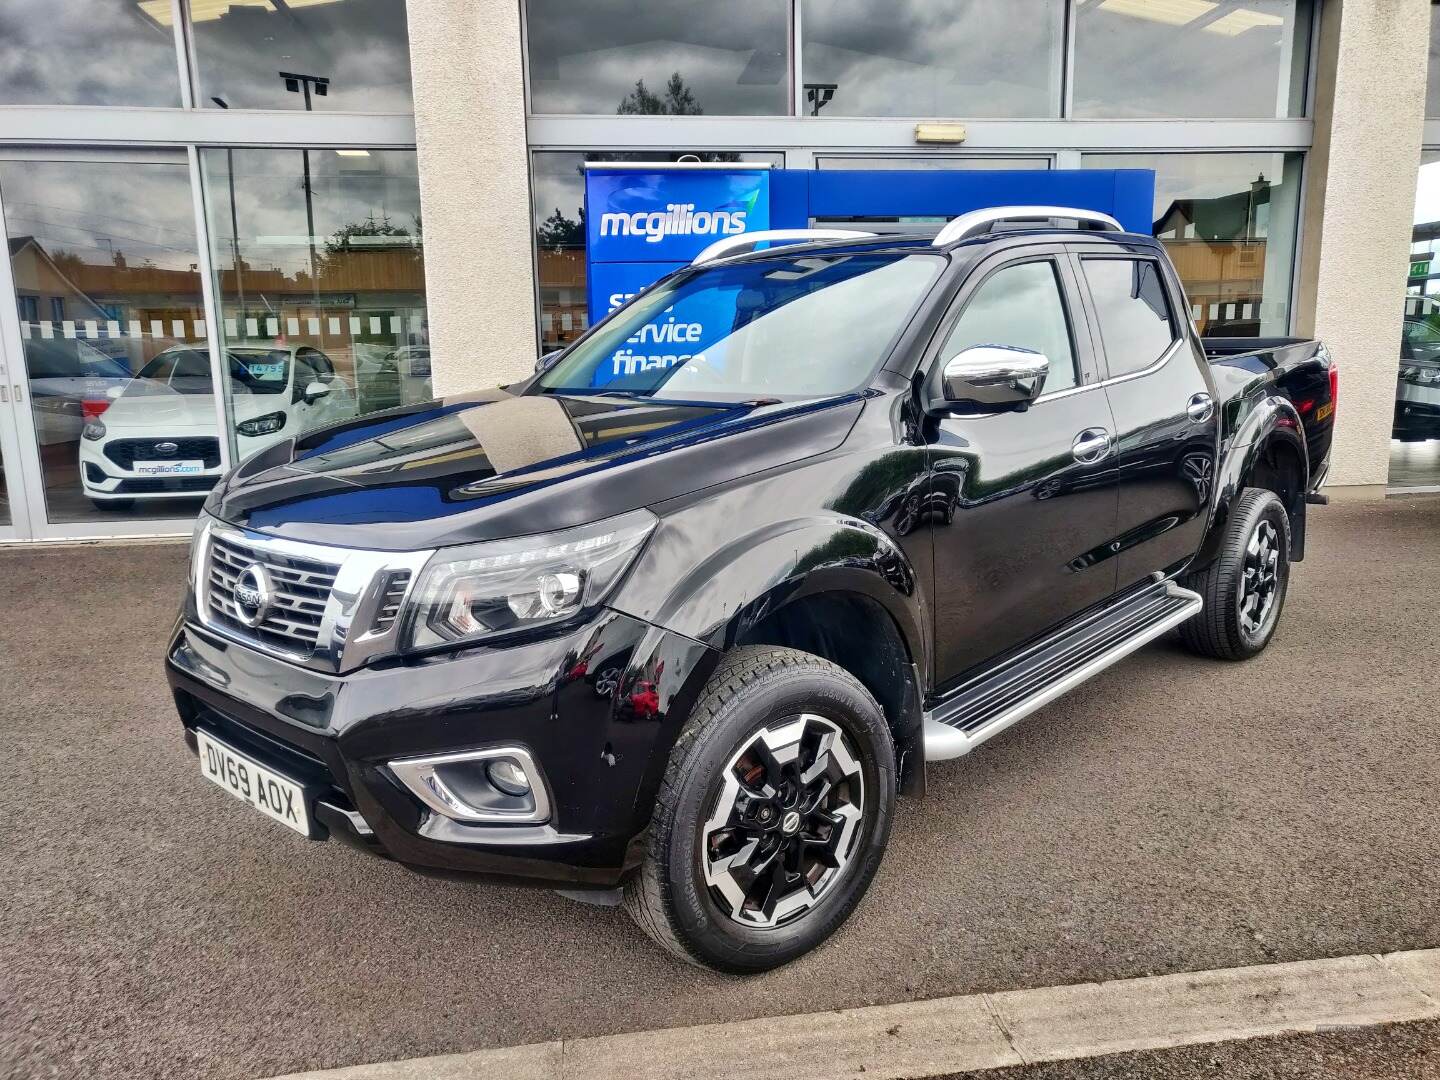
772 817
1244 588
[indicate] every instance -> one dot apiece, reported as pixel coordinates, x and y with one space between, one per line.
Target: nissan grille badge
253 595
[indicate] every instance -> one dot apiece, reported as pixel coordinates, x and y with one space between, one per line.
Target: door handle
4 394
1090 445
1200 408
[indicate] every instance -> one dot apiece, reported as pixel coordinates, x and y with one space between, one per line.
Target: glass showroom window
1228 222
927 58
87 52
1191 58
1415 451
320 280
683 57
106 282
322 55
557 185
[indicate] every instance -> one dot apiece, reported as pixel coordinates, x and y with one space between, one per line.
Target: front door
1023 542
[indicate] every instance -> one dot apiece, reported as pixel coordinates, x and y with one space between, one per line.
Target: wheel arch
1268 452
837 587
856 632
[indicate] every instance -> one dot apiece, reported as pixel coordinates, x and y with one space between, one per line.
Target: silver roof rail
977 222
734 245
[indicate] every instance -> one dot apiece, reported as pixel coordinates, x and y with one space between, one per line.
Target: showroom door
102 293
14 519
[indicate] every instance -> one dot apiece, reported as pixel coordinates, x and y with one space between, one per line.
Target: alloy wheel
1260 582
785 821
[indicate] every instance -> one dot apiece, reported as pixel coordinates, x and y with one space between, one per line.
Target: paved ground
1397 1052
1171 815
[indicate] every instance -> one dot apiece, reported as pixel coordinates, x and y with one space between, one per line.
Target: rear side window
1019 306
1136 324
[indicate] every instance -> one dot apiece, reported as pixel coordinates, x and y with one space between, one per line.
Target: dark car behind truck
682 630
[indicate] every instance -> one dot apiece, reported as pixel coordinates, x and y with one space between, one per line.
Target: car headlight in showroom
261 425
94 430
480 590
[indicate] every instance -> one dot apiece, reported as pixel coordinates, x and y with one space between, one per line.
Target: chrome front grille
302 591
329 608
392 595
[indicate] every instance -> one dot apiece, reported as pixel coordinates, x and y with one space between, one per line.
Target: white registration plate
267 791
169 468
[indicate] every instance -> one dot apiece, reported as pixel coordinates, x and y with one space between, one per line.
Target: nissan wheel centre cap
253 595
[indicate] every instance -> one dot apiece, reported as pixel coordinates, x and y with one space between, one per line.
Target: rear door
1020 521
1166 421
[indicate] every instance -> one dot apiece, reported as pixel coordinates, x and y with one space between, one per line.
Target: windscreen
187 371
801 326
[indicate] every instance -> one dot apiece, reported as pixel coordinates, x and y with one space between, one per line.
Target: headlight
474 592
262 425
94 430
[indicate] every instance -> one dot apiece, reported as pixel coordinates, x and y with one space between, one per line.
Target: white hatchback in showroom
157 440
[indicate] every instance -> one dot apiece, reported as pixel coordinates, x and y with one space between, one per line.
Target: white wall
474 190
1370 91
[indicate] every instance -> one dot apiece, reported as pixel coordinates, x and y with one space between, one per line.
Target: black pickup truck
677 631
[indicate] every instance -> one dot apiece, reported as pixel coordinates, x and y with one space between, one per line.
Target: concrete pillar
1359 202
465 60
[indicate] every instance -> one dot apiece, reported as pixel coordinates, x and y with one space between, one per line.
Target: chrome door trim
1200 407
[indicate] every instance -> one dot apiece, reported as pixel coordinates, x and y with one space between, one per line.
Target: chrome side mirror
546 360
994 375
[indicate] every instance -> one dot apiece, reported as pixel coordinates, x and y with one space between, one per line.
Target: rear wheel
1244 588
773 815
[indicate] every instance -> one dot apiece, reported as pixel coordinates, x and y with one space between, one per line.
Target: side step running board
991 702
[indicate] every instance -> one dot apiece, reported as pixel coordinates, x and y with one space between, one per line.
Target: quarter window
1135 320
1019 306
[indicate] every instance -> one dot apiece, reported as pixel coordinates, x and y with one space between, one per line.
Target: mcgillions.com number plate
267 791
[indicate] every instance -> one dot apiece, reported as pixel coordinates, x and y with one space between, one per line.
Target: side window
305 374
1134 312
324 369
1019 306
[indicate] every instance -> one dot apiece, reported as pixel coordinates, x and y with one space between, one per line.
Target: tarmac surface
1395 1052
1173 814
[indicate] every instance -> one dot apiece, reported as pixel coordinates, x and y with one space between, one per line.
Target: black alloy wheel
1244 587
773 815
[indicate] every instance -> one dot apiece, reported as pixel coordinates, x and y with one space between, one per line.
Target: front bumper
598 706
103 479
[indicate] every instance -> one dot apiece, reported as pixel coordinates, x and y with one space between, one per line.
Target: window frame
1180 332
989 275
973 278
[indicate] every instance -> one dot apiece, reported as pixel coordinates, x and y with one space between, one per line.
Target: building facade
229 220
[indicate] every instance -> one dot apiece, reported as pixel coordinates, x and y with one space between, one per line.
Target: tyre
772 817
1244 588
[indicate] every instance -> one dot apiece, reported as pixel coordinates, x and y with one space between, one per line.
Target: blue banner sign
671 217
645 221
641 225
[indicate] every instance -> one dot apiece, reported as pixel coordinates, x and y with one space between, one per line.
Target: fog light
509 777
499 784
